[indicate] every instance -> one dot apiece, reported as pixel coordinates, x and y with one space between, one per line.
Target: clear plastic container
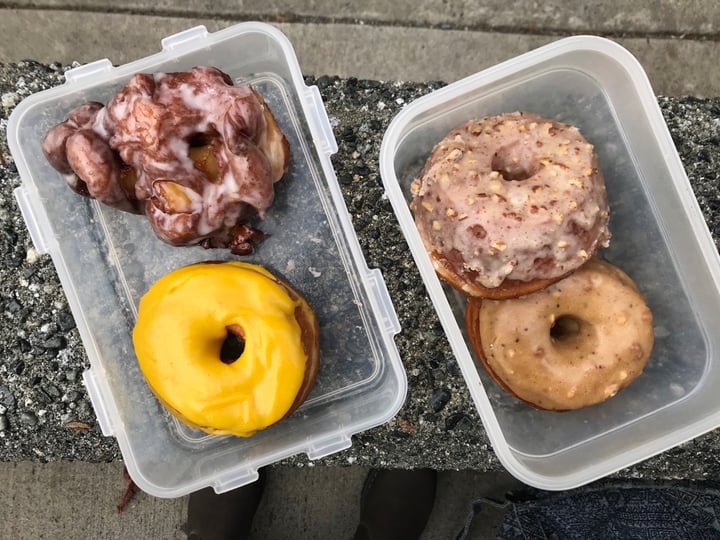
660 239
106 260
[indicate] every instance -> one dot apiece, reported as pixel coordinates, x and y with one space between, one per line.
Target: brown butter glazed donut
574 344
195 153
508 204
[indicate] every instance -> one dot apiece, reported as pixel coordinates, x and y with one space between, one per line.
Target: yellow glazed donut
576 343
188 321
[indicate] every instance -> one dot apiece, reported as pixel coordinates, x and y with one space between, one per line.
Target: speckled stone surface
45 413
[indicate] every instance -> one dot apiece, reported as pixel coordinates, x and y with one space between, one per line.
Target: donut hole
573 337
233 345
566 328
512 165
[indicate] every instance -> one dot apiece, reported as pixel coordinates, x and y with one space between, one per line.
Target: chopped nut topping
494 174
588 171
436 225
515 159
498 245
583 254
462 216
558 218
496 186
415 187
450 212
637 350
623 375
572 204
532 125
470 200
611 390
575 182
444 179
562 244
427 206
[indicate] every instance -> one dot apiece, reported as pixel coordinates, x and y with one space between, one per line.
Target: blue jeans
633 510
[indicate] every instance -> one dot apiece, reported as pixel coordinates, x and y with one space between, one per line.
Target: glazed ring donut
576 343
508 204
189 322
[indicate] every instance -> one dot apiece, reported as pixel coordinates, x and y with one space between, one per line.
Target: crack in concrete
294 18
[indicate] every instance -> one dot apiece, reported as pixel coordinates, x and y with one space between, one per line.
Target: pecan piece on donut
196 153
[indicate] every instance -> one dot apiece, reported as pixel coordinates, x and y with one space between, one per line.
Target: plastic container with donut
107 259
659 238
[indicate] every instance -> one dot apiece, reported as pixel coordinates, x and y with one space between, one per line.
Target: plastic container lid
659 238
106 260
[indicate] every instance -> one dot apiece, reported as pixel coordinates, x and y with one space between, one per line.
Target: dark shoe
227 516
396 504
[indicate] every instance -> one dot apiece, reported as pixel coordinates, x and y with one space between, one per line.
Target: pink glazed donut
509 204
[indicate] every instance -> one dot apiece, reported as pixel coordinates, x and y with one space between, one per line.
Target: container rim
617 52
